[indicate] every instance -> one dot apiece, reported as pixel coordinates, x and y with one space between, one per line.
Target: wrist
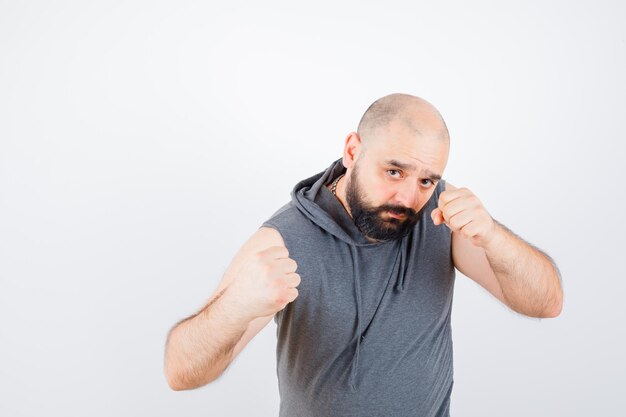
234 307
497 238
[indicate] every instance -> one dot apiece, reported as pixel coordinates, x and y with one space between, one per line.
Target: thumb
437 216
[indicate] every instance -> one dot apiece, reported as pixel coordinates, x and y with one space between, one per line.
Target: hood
317 203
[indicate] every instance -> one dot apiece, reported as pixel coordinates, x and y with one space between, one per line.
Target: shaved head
412 112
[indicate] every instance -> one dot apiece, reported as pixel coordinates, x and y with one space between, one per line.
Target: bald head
414 113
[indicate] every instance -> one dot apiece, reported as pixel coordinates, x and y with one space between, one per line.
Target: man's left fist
463 213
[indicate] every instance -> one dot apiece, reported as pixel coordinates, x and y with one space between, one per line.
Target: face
392 181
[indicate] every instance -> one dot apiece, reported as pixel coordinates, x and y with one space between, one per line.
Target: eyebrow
411 167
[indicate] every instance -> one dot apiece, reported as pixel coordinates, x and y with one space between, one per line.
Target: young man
364 323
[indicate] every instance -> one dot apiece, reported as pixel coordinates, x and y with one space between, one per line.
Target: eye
391 171
428 183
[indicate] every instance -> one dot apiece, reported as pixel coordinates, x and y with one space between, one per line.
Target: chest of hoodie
374 291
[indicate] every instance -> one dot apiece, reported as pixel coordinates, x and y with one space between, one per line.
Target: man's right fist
266 282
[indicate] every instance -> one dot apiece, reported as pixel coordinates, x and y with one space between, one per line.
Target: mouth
396 215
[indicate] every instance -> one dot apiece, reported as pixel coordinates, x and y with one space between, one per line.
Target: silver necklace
333 187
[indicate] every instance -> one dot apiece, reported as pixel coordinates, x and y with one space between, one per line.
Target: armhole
442 187
439 188
279 315
275 227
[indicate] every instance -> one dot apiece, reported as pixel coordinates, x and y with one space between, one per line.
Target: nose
407 195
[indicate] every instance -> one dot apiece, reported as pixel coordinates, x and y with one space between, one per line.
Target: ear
352 149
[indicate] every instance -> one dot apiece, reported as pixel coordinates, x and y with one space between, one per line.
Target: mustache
409 212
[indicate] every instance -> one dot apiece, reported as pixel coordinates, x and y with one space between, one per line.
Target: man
364 325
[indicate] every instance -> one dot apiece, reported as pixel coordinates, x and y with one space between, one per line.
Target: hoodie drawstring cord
357 290
402 272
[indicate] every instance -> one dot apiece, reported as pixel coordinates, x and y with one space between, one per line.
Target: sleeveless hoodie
369 334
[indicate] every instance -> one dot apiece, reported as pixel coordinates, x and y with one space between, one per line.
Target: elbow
175 377
551 311
174 380
172 372
555 312
177 383
555 309
557 305
175 386
181 381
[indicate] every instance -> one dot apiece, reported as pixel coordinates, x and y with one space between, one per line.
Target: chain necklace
333 187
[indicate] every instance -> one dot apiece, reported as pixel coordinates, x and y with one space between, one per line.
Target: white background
141 143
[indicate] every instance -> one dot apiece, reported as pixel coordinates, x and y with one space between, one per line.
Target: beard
369 219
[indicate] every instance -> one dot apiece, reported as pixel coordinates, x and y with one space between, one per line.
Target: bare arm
517 273
259 282
200 347
530 280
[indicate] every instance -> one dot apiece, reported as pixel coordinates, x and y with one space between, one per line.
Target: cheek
376 190
426 196
382 194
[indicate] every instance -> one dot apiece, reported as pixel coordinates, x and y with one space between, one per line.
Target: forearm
529 279
199 349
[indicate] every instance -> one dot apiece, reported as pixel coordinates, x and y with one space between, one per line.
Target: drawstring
357 290
402 272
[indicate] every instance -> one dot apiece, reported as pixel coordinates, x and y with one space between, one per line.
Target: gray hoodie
369 333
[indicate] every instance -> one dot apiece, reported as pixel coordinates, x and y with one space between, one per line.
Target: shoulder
269 233
279 225
287 211
263 238
290 219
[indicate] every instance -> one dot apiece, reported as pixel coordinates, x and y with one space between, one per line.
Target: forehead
410 148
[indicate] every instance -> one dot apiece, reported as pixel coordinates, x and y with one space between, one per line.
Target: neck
340 194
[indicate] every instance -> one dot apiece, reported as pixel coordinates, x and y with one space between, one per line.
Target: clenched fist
464 213
267 282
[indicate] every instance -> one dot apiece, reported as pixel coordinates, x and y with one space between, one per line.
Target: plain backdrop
141 143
